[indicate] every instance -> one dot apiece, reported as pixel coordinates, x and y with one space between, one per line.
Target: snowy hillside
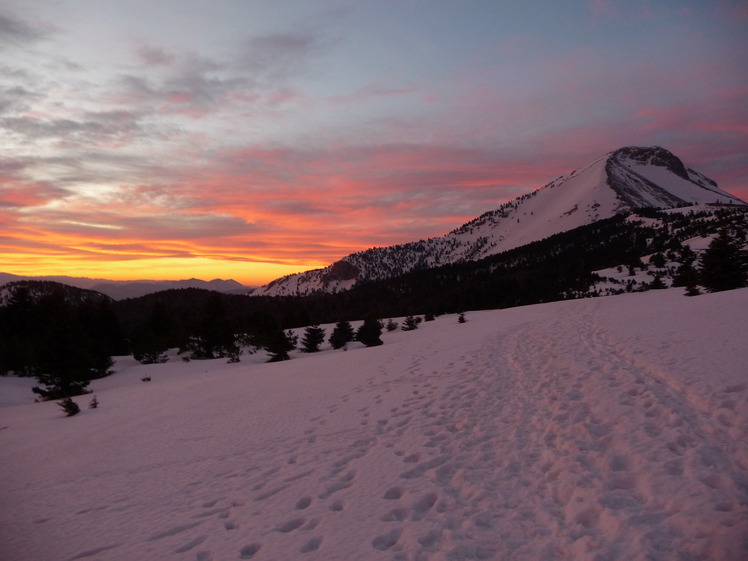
620 181
607 428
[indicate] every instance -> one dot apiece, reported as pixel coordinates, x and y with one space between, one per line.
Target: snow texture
599 429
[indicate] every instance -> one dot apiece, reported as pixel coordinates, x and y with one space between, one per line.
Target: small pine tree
232 352
686 275
94 403
280 344
409 324
391 325
369 333
692 290
341 335
461 318
657 283
69 406
314 336
658 260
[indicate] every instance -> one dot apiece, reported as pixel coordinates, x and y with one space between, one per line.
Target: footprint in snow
291 525
303 503
311 545
386 541
249 551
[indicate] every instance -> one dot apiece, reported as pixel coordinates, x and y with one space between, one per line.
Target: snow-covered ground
601 429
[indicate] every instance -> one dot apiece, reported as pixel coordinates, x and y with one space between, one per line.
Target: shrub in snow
692 290
461 318
391 325
94 403
156 357
146 379
69 406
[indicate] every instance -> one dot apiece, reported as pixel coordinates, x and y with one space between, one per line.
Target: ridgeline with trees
65 337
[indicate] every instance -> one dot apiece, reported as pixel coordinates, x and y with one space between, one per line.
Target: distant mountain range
120 290
626 179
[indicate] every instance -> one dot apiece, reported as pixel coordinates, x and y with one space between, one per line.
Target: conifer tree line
65 337
62 341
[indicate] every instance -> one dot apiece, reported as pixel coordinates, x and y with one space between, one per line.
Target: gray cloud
15 98
89 129
191 83
280 55
155 56
15 31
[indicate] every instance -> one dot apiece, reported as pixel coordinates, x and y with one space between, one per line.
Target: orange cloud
254 212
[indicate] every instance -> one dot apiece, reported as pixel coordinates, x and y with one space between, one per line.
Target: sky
251 139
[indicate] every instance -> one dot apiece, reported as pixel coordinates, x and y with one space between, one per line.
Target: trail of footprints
399 505
431 479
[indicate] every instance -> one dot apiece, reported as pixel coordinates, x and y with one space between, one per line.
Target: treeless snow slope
601 429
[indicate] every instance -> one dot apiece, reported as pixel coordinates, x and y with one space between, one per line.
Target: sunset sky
249 139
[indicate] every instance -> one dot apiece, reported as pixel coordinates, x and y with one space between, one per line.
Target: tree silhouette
279 344
724 264
369 333
314 336
409 324
341 335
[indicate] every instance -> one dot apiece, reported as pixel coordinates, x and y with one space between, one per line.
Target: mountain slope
620 181
34 290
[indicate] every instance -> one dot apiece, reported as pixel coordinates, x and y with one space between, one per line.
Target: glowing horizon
255 140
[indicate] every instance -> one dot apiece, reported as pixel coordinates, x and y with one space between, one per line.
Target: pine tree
409 324
724 265
71 355
279 344
150 343
369 333
314 336
341 335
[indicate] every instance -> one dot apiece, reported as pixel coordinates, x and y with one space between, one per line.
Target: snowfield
600 429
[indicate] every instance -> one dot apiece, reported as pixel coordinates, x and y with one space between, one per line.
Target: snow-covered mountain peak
620 181
652 156
654 177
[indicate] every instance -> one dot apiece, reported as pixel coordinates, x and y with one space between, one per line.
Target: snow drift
599 429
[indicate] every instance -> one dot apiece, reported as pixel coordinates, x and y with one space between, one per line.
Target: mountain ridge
120 290
620 181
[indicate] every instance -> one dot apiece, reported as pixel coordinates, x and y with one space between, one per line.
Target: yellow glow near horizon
246 272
